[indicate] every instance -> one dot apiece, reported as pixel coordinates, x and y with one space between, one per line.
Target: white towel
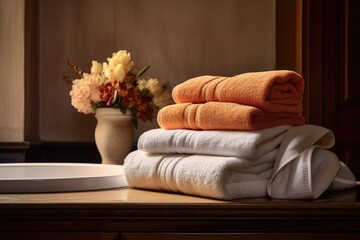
344 179
200 175
304 169
244 144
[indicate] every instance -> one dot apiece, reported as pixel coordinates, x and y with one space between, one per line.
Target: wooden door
331 62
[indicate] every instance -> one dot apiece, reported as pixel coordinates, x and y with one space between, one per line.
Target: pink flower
85 91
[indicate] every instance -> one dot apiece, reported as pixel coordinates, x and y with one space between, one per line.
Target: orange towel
222 116
272 91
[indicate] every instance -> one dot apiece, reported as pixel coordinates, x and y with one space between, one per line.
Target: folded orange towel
222 116
272 91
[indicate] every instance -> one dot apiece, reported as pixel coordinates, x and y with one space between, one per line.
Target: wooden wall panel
289 42
31 70
345 91
331 35
12 70
179 39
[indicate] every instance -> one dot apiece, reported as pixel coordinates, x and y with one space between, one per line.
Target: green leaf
145 92
142 71
134 119
93 105
122 109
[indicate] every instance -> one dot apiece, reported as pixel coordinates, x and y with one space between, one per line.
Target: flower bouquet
113 84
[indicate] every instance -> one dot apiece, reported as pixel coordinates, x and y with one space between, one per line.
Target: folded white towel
244 144
304 169
201 175
344 179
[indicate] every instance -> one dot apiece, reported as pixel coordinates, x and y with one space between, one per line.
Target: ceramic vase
114 135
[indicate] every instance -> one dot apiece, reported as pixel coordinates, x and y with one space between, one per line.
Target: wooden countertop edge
345 210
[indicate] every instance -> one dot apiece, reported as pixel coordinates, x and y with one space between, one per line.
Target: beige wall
12 70
180 39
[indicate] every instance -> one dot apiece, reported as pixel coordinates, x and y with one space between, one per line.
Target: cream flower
141 84
121 57
108 73
152 84
96 67
119 73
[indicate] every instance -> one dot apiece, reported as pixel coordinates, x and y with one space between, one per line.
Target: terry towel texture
243 144
271 91
217 164
304 169
200 175
299 168
222 116
251 143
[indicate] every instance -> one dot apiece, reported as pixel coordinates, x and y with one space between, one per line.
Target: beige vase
114 135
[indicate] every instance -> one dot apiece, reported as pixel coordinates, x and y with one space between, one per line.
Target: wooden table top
346 199
127 209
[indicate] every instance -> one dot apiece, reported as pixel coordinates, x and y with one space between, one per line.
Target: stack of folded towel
237 137
250 101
